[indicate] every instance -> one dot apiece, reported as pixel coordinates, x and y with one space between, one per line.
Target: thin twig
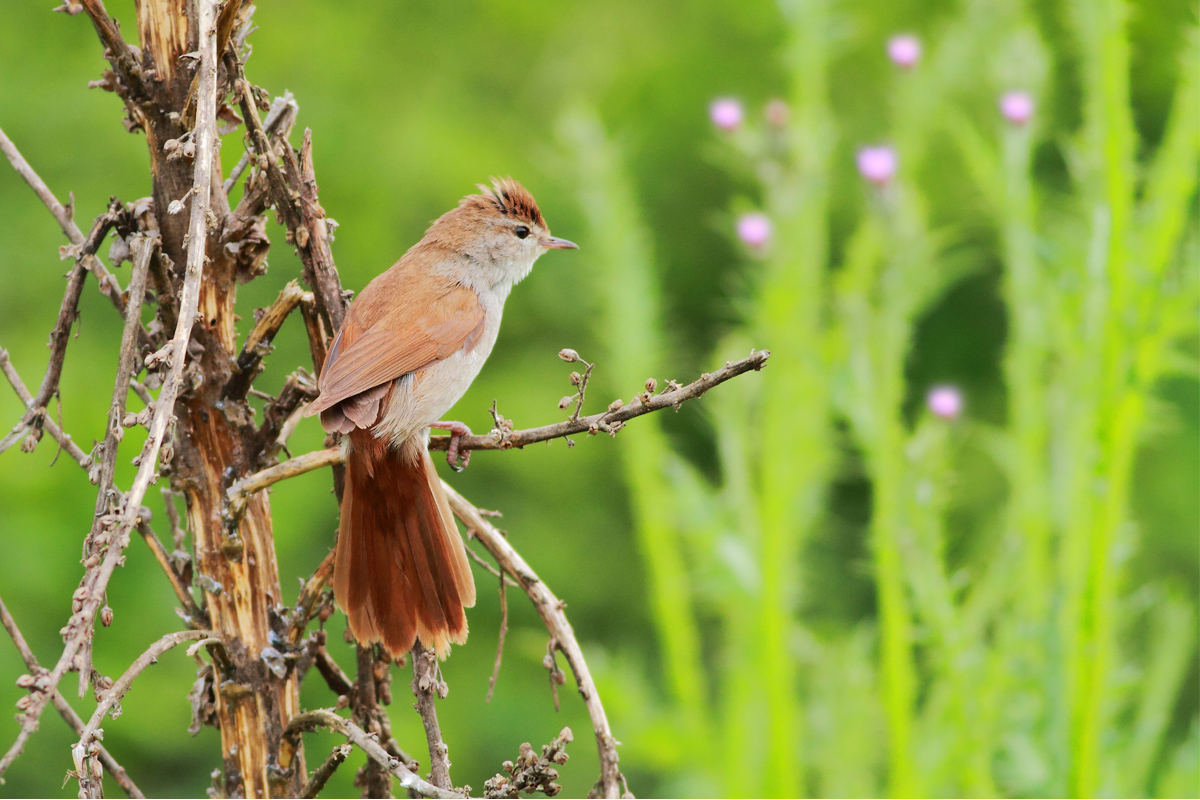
324 772
370 714
240 492
108 284
550 608
295 198
60 212
118 52
59 337
64 708
64 439
258 342
107 497
326 718
128 363
608 421
279 119
500 643
335 677
113 696
194 615
95 581
425 684
310 595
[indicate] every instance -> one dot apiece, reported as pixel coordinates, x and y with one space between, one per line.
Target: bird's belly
424 396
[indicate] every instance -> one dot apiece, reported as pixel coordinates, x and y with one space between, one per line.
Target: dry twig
62 437
326 718
609 421
83 750
119 526
64 709
427 681
323 773
550 608
91 262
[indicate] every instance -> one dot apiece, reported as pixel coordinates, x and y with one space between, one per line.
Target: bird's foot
457 431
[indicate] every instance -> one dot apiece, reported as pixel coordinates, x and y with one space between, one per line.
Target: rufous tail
401 569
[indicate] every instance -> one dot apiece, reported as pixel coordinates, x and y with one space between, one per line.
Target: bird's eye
521 231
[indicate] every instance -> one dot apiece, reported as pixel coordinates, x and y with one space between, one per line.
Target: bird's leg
457 431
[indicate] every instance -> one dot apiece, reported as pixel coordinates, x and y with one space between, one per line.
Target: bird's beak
555 243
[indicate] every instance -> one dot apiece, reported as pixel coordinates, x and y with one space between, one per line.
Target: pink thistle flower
945 401
726 113
904 50
1017 107
877 164
754 230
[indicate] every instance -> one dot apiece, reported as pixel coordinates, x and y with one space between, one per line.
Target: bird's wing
411 329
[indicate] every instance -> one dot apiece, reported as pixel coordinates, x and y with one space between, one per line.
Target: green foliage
806 582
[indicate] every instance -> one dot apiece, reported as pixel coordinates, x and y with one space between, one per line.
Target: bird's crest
509 198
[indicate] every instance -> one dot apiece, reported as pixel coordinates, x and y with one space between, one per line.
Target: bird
411 343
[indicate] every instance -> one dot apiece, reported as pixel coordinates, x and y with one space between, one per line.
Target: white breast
425 396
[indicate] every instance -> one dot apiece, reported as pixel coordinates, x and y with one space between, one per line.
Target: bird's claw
457 431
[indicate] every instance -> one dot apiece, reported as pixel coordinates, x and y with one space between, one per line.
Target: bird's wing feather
412 329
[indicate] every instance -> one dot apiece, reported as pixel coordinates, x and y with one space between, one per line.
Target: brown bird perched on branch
411 344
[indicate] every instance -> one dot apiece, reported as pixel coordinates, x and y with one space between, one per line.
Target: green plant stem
630 319
888 515
1108 134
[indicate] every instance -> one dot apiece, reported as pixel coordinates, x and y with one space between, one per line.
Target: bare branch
295 198
279 121
118 52
609 421
64 709
426 683
128 363
241 490
335 677
64 439
113 696
310 594
326 718
65 220
282 414
108 284
258 342
324 772
550 608
95 581
371 669
195 616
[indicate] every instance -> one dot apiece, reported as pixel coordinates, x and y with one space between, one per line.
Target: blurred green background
804 583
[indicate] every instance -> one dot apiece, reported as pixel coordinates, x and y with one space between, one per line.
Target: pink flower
754 230
945 401
877 164
726 113
904 50
1017 107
